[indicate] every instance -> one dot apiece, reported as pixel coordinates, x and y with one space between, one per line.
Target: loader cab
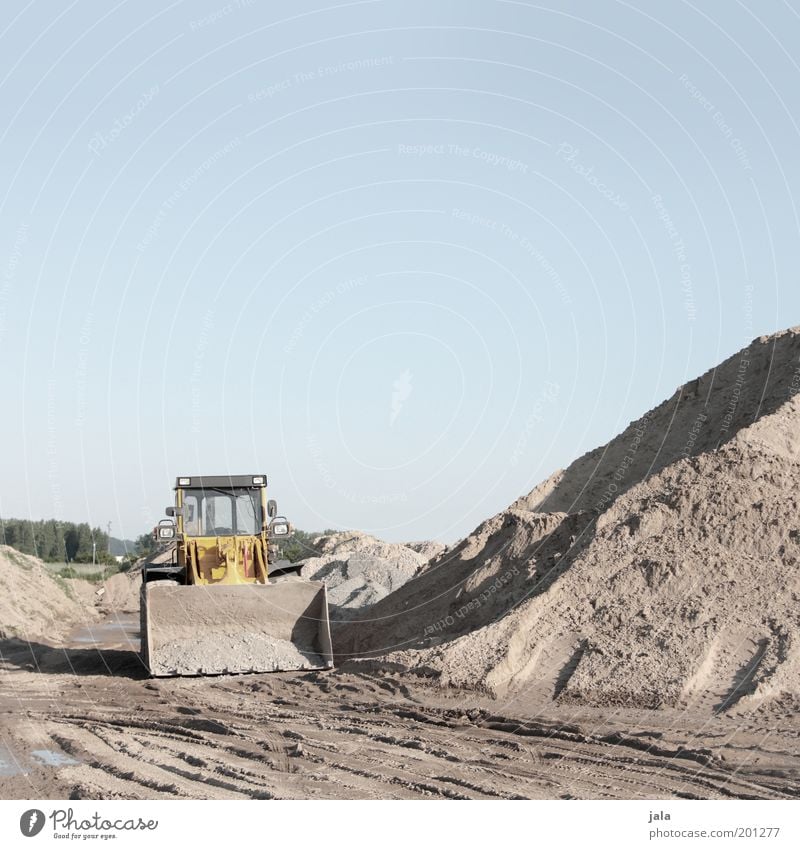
222 512
229 506
221 529
225 528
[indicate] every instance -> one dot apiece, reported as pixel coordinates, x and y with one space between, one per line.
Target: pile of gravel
359 569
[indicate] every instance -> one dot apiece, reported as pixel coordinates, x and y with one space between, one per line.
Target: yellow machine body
209 604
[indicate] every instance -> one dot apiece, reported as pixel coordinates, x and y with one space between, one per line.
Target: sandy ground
80 722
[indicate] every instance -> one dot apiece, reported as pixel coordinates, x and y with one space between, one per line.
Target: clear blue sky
407 257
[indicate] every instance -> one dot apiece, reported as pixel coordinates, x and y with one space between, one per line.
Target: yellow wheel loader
212 601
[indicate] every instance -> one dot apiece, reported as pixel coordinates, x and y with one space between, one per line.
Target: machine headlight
281 529
184 481
259 480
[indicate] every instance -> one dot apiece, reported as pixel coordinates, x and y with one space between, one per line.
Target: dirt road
83 723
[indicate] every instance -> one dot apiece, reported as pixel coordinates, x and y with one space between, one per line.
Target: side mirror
272 508
170 511
280 527
174 511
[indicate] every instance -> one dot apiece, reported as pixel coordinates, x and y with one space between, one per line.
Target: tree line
54 541
67 542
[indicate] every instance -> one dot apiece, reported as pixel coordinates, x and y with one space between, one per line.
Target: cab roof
220 481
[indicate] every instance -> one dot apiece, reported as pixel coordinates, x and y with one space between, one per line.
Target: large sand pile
36 605
33 604
701 415
359 569
661 569
427 548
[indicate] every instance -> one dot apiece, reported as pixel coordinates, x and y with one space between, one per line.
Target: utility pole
108 545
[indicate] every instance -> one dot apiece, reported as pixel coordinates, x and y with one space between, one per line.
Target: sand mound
120 592
33 604
359 569
680 589
427 548
700 416
480 579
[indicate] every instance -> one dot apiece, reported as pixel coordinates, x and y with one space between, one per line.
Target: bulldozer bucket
216 629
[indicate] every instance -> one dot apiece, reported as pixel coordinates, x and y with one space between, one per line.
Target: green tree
145 544
55 541
71 542
298 545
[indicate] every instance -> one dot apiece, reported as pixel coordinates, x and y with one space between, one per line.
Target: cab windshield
221 512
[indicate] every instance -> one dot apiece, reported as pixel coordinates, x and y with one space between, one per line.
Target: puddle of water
9 765
116 633
50 757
